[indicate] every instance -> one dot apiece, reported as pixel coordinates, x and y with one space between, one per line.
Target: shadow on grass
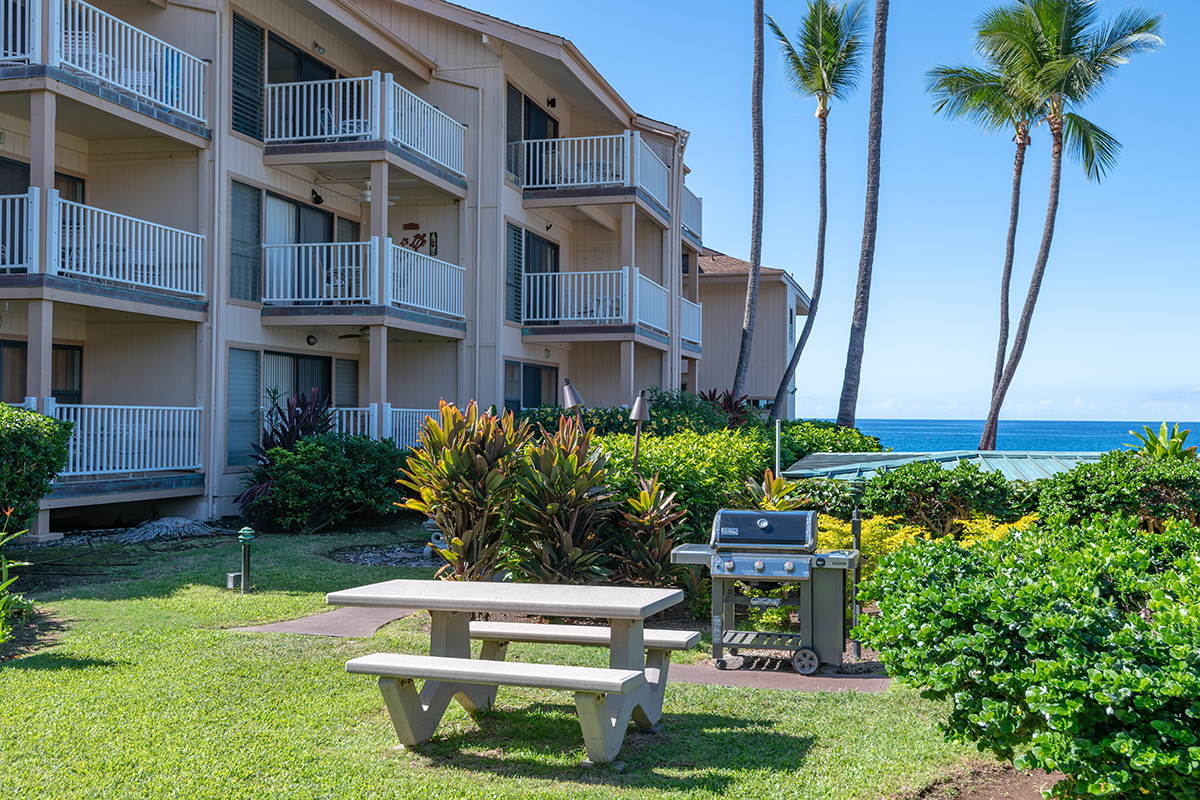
48 662
691 751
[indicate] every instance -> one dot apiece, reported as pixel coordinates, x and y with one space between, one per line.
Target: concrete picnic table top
609 602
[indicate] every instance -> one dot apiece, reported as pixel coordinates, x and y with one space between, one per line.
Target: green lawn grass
145 694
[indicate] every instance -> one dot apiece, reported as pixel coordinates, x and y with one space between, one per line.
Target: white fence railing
567 163
102 46
355 421
421 281
693 212
652 304
333 110
19 29
574 297
19 231
109 439
652 174
692 323
114 247
425 130
405 424
350 109
306 274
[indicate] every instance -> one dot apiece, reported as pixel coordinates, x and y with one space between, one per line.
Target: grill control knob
762 523
789 567
759 566
729 565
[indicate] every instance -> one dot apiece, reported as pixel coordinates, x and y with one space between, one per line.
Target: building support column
628 235
379 227
626 379
377 365
38 384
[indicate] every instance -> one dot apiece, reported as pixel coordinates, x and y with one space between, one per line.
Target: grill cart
770 551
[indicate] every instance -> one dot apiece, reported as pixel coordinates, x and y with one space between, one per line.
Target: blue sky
1115 332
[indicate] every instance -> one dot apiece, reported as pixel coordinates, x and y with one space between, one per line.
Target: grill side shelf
759 639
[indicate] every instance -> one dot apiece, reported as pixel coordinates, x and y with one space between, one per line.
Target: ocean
1053 436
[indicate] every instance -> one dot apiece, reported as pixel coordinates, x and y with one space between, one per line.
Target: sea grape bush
1069 647
937 498
1152 490
33 449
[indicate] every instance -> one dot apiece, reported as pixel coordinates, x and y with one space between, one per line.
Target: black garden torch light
857 487
640 413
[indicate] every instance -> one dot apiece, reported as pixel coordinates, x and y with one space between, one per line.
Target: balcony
590 162
624 297
108 440
105 248
692 214
345 274
375 108
692 322
400 424
98 46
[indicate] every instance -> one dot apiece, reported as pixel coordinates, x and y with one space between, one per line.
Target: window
514 259
791 326
345 383
66 372
529 386
530 254
525 120
242 430
290 375
245 243
247 77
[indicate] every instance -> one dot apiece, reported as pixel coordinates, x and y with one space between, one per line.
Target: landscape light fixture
857 487
551 102
312 340
640 413
571 399
320 50
317 199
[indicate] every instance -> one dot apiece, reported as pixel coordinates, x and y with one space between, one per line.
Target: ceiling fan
364 333
364 196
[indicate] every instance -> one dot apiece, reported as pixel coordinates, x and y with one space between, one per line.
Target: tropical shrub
1073 646
1152 490
10 602
936 498
328 478
670 412
799 438
560 508
464 475
774 494
707 472
647 525
33 449
831 498
736 408
300 416
1167 444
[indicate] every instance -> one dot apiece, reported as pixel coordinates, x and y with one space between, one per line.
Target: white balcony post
31 403
384 105
48 405
385 421
627 314
373 420
49 37
33 214
635 294
632 140
53 231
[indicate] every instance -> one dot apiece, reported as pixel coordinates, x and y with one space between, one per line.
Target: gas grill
770 550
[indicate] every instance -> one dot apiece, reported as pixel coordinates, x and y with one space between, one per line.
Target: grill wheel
805 662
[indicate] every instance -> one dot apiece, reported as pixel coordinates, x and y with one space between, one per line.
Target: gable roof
714 263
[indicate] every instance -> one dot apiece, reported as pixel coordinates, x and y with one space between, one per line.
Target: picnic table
606 699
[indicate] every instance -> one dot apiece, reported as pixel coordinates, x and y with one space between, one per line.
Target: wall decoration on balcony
433 244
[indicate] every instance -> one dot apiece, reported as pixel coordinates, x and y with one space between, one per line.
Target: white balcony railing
310 274
569 163
350 109
692 323
404 424
425 130
653 175
108 439
653 304
355 421
101 46
551 297
424 282
113 247
693 212
19 232
19 27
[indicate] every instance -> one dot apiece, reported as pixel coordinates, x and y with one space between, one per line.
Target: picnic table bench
631 688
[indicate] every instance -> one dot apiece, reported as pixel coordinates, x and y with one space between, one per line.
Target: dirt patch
32 632
985 781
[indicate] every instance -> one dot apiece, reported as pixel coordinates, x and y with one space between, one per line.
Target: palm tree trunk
818 280
862 295
756 125
988 440
1010 246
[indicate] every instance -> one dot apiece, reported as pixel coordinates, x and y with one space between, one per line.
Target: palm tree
1059 55
991 101
756 214
825 63
866 261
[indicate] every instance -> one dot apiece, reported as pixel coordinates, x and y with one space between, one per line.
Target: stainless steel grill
769 550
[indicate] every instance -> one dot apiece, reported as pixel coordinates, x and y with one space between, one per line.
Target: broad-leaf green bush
801 437
924 493
33 449
1122 481
327 479
670 412
706 472
1073 646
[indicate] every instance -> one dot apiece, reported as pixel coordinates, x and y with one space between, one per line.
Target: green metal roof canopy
1013 465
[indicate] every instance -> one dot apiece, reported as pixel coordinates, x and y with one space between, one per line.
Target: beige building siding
138 364
192 30
161 187
724 301
420 373
70 152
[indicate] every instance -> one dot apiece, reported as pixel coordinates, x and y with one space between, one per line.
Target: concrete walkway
352 621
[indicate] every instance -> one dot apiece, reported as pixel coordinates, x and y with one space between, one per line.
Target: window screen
514 268
247 77
242 430
245 243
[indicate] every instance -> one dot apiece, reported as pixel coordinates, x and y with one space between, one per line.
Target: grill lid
795 531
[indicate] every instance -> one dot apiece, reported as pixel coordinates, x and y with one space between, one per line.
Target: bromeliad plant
1167 445
775 494
560 514
464 475
647 526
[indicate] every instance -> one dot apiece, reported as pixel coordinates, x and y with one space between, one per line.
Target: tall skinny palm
1060 55
848 402
756 213
992 102
825 63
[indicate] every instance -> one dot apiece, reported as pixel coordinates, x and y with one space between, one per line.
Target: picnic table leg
450 637
602 734
627 650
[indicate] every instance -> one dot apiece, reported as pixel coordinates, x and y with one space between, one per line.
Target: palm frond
1091 145
979 96
826 58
